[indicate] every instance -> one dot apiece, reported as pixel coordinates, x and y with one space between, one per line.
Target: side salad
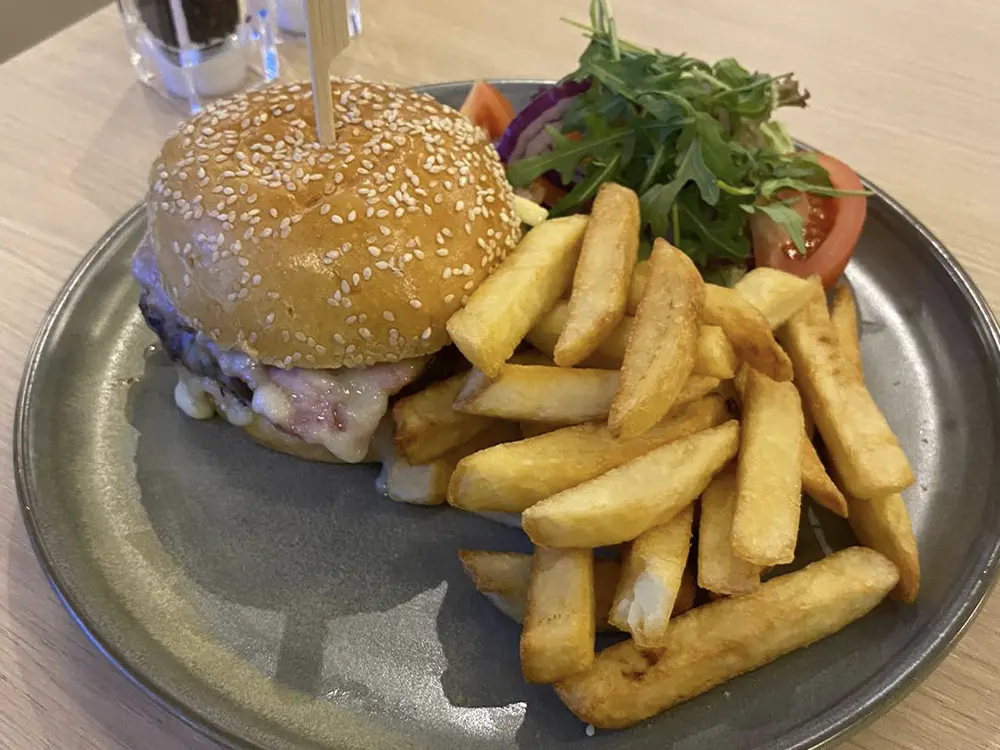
717 176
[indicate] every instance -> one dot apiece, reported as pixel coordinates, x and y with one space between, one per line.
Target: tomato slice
842 218
488 108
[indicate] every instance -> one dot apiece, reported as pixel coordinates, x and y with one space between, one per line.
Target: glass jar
196 50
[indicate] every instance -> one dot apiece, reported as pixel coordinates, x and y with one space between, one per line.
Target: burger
298 286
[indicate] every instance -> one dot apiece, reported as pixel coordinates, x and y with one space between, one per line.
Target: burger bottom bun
266 434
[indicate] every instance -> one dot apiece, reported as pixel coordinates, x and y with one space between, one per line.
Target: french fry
687 591
718 641
663 343
559 624
603 274
884 525
720 570
427 484
626 501
863 449
816 482
428 425
509 303
715 357
748 330
536 393
637 289
769 472
881 523
502 577
651 580
729 637
778 295
514 476
844 317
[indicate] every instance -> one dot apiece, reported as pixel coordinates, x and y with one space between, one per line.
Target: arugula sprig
695 140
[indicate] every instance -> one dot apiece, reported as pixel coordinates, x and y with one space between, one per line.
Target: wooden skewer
328 35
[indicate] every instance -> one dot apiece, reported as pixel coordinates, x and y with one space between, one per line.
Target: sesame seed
367 273
299 336
352 215
426 334
336 219
356 278
374 251
449 298
345 287
441 252
269 318
415 304
339 339
384 230
324 209
364 333
387 315
468 286
285 335
446 273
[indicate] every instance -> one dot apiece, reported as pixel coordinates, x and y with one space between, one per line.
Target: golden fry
844 317
769 473
537 393
559 624
651 580
884 525
514 476
603 274
863 449
630 499
748 330
817 484
502 577
509 303
428 425
720 570
815 481
718 641
663 343
715 358
427 484
778 295
637 289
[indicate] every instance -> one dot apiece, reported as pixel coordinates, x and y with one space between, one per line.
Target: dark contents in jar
207 20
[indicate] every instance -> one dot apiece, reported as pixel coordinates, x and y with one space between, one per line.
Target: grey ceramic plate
281 604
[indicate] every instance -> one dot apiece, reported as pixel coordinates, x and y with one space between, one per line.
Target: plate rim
876 703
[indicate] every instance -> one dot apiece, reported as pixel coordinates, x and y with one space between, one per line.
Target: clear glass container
194 51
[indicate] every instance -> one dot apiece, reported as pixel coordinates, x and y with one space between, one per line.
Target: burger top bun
301 255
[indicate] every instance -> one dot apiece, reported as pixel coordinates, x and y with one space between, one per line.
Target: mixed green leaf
695 141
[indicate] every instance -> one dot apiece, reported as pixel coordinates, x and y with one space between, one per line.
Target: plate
276 603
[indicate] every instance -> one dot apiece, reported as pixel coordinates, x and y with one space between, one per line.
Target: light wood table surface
906 91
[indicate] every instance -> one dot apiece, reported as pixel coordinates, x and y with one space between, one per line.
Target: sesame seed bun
305 256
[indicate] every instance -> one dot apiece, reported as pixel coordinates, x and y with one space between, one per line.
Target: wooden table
905 90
